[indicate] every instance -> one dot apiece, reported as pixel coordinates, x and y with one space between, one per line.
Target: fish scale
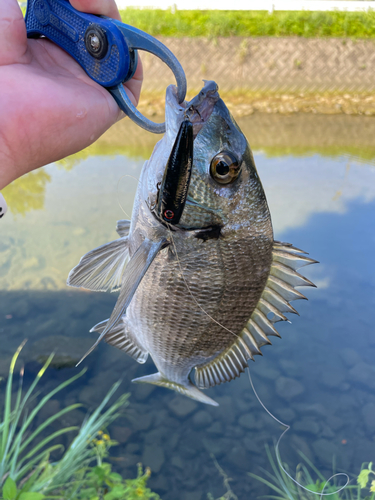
202 293
233 276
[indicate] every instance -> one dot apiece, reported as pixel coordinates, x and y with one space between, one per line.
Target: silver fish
202 281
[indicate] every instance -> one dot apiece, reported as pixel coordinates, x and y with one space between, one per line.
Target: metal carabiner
105 48
137 39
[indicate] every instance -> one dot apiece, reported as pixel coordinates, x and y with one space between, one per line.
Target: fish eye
225 167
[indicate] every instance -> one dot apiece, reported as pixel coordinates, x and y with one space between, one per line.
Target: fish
202 281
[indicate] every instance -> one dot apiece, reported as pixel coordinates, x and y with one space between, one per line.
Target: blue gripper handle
110 61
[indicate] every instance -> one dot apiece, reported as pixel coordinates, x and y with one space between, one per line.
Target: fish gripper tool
105 48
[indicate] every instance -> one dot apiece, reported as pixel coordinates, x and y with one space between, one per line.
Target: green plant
101 483
19 452
366 475
25 469
281 482
247 23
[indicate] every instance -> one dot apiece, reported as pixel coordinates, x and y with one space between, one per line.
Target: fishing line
277 451
118 192
191 293
287 427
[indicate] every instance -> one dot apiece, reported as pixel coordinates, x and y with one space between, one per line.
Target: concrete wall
289 64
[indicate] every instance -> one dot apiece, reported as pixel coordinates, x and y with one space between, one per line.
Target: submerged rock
68 350
286 415
181 406
307 425
153 457
288 388
192 495
250 421
368 413
121 434
202 419
177 461
216 428
142 391
142 422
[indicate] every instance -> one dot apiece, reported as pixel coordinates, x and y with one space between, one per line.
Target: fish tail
188 389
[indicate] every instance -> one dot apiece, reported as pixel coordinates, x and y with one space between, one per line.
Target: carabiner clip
105 48
137 39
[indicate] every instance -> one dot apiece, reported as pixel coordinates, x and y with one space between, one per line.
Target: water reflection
321 204
28 192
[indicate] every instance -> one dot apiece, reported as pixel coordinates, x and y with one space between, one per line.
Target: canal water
318 173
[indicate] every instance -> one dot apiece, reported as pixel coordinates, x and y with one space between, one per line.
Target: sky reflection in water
324 206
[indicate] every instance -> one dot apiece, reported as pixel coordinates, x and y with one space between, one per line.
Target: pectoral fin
123 227
101 269
133 274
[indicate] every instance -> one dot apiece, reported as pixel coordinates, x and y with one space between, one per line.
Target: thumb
13 40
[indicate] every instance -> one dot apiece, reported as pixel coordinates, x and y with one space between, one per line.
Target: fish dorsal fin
123 227
118 337
278 292
133 275
101 269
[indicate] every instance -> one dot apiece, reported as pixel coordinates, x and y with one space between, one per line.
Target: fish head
222 188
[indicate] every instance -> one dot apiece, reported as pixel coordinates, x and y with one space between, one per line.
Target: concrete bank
289 65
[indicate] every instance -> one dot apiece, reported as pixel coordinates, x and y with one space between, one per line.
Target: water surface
319 378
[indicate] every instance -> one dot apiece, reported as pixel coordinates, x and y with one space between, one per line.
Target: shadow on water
319 378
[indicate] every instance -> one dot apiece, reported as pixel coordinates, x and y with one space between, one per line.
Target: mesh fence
288 65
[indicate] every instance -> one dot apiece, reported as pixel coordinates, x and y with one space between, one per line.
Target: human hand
49 107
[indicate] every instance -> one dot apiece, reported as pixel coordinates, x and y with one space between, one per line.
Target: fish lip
174 187
198 110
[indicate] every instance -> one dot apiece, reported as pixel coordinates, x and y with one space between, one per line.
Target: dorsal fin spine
288 247
265 306
278 301
247 352
250 341
241 356
287 291
235 360
278 291
289 275
292 260
264 323
257 331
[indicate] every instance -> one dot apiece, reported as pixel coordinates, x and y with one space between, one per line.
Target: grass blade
47 422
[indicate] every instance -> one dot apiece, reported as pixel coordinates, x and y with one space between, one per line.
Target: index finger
98 7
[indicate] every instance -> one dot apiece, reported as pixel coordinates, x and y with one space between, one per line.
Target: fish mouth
200 108
174 187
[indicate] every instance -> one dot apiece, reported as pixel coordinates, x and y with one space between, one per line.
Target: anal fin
187 389
119 338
